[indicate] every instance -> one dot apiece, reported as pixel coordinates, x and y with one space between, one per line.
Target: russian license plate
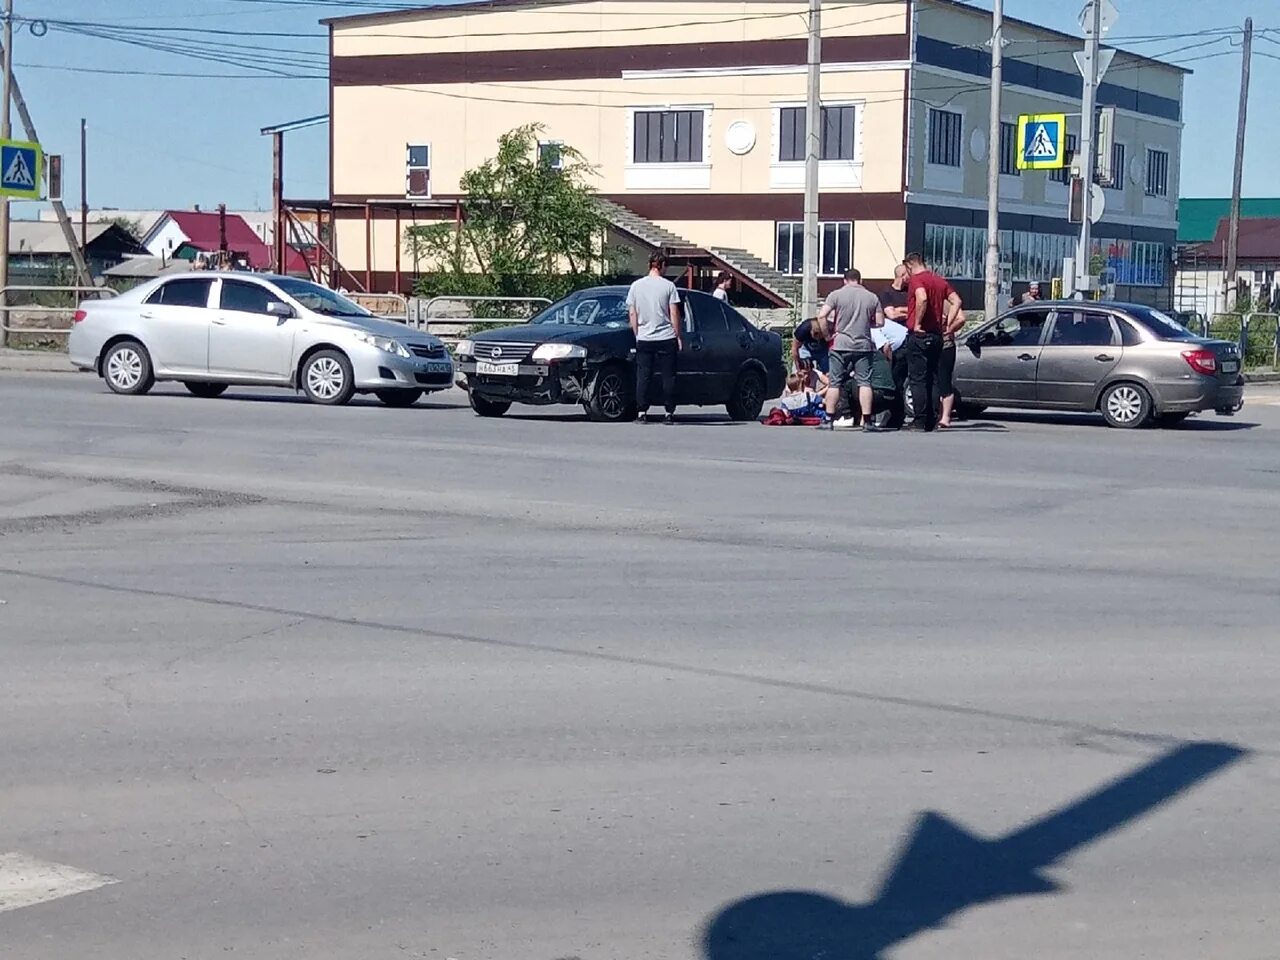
1230 366
436 367
486 369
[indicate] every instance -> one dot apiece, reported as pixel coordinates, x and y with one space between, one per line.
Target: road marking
26 881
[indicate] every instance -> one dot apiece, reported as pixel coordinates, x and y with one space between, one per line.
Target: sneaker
869 426
824 425
642 416
669 419
844 423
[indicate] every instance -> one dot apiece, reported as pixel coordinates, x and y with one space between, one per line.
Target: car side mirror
281 311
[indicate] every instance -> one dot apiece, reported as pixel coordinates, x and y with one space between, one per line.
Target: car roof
1094 304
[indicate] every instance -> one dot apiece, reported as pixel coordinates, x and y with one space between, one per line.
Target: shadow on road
944 869
1202 424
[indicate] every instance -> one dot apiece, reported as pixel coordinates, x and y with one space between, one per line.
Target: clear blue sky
171 141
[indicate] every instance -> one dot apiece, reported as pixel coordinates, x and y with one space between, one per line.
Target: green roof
1198 218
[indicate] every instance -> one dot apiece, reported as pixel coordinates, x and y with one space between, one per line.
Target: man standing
930 302
1033 292
856 310
653 304
894 303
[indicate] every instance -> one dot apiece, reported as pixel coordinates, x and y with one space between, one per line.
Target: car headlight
558 351
465 348
387 344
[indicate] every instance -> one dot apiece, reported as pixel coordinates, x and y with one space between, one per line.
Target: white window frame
559 164
1146 172
797 226
409 167
666 176
832 174
941 176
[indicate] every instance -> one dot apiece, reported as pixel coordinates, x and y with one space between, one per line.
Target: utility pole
1088 155
1233 232
277 200
84 185
991 297
6 131
813 148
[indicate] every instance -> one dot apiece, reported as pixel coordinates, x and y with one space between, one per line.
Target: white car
212 330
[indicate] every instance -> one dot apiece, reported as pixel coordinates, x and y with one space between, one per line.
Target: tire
488 408
1169 420
398 398
612 398
748 396
1125 406
327 379
127 369
202 388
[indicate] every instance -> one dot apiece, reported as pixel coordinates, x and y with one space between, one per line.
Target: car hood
374 325
550 333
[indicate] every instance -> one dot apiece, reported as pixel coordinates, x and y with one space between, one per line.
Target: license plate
437 367
484 368
1230 366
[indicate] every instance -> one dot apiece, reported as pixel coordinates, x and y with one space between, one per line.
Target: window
587 310
1023 329
1157 173
668 136
1064 175
835 251
837 138
1009 150
551 154
944 137
708 314
1116 180
1079 329
182 293
417 181
245 297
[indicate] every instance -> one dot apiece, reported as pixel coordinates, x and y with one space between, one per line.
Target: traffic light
1075 207
53 170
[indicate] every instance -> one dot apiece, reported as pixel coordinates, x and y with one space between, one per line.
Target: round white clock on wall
740 137
978 146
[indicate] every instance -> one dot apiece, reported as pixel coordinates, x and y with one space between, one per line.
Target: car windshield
1161 324
320 300
587 309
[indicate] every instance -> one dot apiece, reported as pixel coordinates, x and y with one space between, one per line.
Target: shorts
947 369
820 356
845 362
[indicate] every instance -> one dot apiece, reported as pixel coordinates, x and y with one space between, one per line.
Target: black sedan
581 351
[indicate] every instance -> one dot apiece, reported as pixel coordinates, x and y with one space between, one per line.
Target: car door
1004 369
1083 346
712 352
245 341
174 327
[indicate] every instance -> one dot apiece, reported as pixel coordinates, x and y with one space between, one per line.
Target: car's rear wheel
489 408
748 396
1125 405
612 396
1172 419
127 368
398 398
202 388
327 378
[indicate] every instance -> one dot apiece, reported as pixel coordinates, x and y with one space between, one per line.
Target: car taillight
1201 361
78 316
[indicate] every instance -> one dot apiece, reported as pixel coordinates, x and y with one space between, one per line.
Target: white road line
26 881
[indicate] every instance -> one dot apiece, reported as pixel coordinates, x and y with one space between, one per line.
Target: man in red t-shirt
932 309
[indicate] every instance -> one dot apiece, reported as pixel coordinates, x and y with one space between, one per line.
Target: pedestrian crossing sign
21 169
1041 141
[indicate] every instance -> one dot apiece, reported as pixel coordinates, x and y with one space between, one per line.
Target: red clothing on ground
937 290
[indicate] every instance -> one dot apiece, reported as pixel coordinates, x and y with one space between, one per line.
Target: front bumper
1200 394
376 369
560 381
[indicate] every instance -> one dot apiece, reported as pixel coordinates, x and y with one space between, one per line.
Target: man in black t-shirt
809 345
894 301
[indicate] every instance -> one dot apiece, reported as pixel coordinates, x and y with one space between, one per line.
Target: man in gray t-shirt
653 304
854 310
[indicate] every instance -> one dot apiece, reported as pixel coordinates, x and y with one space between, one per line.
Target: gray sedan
212 330
1131 363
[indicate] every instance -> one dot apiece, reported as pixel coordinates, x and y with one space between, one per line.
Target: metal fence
35 314
1258 335
452 327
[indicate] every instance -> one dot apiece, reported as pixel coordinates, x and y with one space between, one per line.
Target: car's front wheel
1125 405
612 397
485 407
327 378
398 398
748 396
127 368
202 388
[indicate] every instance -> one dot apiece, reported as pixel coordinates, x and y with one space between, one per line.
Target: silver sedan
212 330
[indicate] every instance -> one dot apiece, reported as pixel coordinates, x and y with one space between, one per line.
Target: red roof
203 232
1259 239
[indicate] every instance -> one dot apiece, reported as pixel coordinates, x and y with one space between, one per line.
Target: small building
39 253
185 233
1200 285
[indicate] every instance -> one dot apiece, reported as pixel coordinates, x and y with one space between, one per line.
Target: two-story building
694 115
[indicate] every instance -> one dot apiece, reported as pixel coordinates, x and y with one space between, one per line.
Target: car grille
433 379
425 350
505 352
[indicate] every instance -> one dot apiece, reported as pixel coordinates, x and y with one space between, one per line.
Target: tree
130 225
530 227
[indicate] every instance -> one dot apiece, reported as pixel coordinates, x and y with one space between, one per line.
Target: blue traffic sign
1041 141
20 169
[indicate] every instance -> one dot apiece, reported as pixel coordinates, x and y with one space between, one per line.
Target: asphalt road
367 683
